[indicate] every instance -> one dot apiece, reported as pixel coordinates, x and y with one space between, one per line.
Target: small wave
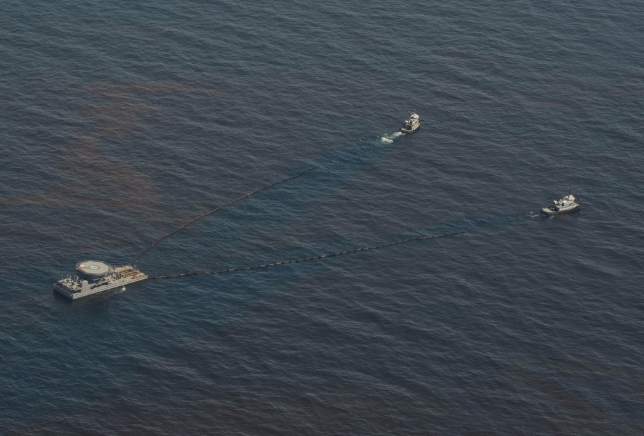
386 140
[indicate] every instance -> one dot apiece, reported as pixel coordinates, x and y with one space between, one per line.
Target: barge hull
63 290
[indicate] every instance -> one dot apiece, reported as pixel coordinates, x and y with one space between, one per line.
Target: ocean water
122 120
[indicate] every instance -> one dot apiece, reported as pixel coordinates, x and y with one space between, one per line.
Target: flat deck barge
95 277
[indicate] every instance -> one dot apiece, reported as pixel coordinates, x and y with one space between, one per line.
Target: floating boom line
217 209
305 259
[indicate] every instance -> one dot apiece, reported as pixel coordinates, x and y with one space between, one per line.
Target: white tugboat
411 124
567 204
95 277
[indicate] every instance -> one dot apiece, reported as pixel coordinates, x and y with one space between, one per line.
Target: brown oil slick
102 182
112 178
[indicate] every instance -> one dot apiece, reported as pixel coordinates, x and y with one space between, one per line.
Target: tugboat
95 276
568 204
411 124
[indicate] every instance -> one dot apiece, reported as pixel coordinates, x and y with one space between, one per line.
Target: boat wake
388 139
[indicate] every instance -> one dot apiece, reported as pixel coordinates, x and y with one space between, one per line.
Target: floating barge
95 277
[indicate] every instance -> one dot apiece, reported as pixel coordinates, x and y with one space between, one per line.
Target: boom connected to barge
95 277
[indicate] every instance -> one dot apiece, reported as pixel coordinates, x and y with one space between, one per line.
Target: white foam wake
388 139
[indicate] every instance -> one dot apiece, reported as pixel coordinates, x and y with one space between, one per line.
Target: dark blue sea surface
120 121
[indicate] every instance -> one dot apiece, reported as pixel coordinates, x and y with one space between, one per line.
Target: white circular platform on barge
93 268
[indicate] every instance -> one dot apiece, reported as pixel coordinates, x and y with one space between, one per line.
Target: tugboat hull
411 124
550 212
568 204
412 130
